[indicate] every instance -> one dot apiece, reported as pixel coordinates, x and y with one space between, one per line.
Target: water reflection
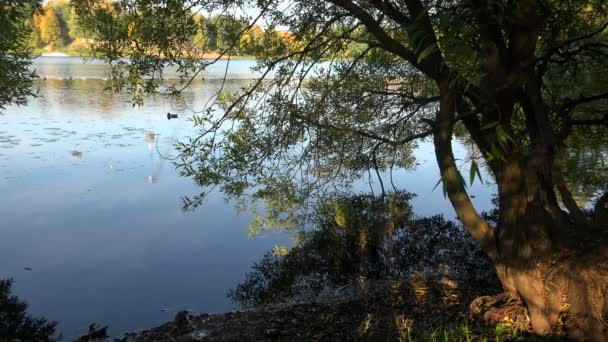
78 208
75 68
585 164
150 137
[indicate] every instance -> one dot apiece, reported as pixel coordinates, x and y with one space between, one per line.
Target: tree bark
544 257
459 199
554 264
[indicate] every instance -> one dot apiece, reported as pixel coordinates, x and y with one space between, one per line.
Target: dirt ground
371 311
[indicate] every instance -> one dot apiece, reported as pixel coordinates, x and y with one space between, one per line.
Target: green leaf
490 156
462 184
496 152
438 182
489 125
445 188
474 170
427 52
502 135
416 35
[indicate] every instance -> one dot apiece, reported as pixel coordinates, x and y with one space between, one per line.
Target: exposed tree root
501 309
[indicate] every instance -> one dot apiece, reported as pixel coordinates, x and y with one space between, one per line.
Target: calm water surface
90 206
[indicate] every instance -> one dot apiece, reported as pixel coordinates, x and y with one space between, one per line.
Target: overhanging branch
556 49
571 104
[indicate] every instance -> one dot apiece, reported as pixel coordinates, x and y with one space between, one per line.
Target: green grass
462 332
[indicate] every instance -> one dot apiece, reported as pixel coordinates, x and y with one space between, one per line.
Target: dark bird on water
171 116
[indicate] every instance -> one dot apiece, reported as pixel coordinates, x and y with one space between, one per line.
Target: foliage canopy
15 75
378 69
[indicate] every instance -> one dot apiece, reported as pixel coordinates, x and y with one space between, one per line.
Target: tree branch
366 134
567 199
571 104
387 42
474 223
564 44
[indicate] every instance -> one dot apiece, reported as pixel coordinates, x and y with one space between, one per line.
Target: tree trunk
557 267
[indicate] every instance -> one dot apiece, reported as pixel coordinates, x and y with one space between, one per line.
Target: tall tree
74 29
199 40
50 28
519 76
63 12
211 33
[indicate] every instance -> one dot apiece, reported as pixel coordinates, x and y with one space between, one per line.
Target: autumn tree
519 76
50 28
63 12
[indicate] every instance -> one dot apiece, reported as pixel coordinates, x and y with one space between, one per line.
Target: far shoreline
61 54
54 54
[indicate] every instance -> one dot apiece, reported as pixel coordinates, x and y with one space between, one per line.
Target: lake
94 210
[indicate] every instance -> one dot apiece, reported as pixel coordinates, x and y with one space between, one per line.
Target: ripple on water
13 142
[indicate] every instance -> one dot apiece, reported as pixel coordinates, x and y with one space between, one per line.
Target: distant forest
56 29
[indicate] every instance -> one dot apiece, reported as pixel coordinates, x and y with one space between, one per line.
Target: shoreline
54 54
59 54
413 308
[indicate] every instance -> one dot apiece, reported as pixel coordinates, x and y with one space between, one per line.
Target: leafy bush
369 236
15 323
